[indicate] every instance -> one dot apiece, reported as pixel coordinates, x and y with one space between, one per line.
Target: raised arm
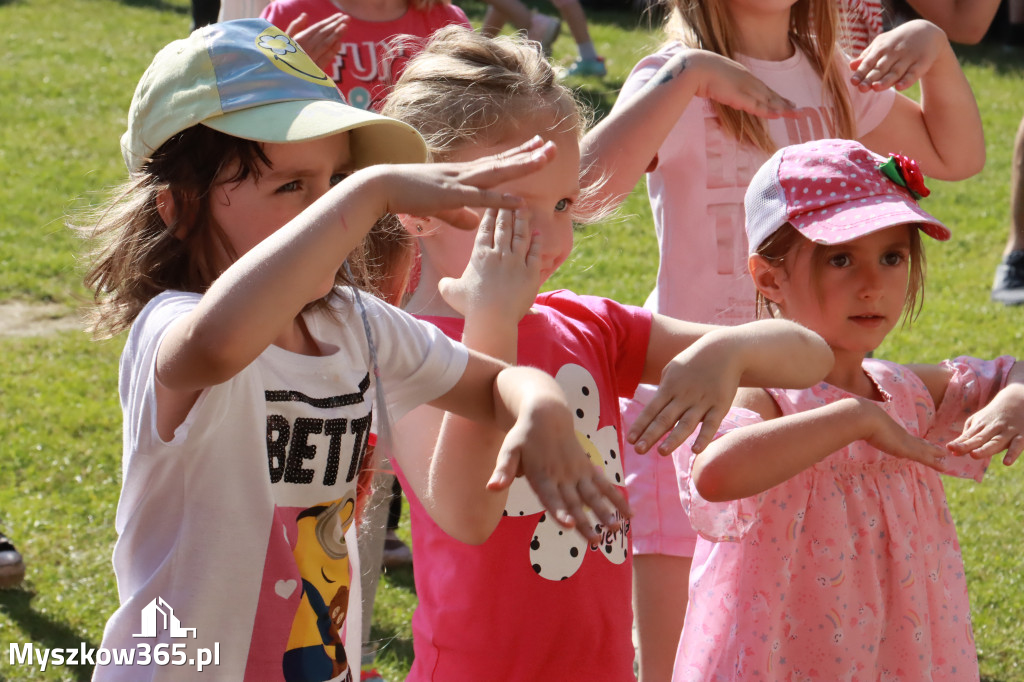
754 458
262 292
699 367
943 132
624 145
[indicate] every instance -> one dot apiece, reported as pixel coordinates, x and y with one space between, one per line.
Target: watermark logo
157 617
159 612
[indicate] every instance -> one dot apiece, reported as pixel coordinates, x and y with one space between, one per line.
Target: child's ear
166 207
767 277
414 225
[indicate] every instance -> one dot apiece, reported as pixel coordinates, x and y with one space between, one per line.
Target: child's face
300 173
856 296
549 195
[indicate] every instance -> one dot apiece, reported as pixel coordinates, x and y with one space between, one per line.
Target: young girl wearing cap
837 558
691 117
249 371
532 603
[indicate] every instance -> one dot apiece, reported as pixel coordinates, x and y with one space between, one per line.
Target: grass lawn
67 86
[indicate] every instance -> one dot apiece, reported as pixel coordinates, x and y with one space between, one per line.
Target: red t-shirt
536 601
363 69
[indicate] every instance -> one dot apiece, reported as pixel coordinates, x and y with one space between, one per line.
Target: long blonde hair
813 28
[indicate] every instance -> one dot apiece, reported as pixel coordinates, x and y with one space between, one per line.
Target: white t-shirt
236 536
697 189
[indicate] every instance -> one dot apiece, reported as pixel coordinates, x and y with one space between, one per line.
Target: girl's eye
338 177
292 186
563 205
893 258
839 260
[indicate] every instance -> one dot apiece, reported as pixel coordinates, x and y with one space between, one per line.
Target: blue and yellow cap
248 79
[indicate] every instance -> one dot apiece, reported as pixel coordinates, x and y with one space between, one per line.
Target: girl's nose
870 282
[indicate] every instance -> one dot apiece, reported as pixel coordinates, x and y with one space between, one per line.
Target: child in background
530 602
545 29
841 560
691 117
248 374
357 48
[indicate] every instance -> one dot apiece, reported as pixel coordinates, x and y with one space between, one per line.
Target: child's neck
764 35
427 299
373 10
848 374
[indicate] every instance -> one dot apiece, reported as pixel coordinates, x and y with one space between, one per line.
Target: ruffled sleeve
716 521
973 384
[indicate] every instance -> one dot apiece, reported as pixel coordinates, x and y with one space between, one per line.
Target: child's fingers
610 495
684 426
504 231
641 433
505 469
521 242
494 170
924 452
708 428
1013 450
592 497
575 515
485 234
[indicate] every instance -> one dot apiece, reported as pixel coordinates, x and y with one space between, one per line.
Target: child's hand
445 190
732 84
542 445
502 277
322 40
886 435
900 57
996 427
697 386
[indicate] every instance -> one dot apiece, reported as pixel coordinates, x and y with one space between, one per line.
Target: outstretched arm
943 132
754 458
262 292
999 425
625 143
541 444
699 367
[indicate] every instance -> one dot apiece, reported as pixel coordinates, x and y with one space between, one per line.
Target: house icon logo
158 616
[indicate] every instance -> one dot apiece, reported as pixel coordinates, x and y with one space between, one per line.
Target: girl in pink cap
827 549
734 81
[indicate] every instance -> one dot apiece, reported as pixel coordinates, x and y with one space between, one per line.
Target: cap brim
375 138
841 223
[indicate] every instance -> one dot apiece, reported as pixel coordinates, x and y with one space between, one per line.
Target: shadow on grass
43 631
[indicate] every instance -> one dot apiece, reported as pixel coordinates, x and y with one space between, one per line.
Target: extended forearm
754 458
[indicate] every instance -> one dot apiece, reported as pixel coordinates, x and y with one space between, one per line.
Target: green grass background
66 81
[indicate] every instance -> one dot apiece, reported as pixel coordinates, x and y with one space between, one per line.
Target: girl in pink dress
827 549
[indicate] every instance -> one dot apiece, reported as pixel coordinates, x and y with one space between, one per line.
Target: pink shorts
659 524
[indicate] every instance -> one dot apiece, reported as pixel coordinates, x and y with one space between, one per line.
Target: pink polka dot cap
833 191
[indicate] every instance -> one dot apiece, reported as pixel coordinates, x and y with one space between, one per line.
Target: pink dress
850 570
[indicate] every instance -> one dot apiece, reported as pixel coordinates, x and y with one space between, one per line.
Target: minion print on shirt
316 442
